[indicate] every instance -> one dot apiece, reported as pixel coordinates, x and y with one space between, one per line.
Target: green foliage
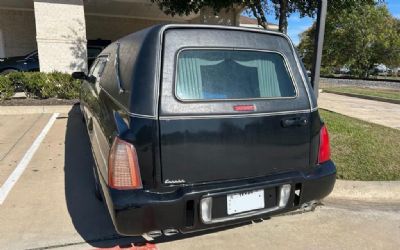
259 8
67 87
40 85
6 88
358 38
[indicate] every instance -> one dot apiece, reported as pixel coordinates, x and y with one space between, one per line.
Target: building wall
18 32
61 35
113 28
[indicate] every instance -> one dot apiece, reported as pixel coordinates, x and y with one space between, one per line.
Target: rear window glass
232 74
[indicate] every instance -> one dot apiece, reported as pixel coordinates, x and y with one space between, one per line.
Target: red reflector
244 108
123 166
324 153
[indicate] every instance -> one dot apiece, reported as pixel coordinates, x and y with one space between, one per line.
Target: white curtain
267 76
189 82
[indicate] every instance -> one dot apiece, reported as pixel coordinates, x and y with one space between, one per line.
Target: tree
358 38
259 8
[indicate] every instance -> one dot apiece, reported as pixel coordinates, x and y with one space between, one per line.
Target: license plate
245 201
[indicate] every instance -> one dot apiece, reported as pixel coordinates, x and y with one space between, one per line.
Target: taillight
324 153
244 108
123 166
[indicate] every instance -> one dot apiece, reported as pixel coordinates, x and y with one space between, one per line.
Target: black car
194 127
30 62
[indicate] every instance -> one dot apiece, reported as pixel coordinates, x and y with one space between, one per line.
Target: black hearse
195 127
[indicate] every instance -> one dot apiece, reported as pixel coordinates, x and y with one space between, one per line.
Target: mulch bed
38 102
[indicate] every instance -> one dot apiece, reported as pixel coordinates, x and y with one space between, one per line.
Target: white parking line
13 178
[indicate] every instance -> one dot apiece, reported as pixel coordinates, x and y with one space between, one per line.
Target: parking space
52 204
17 134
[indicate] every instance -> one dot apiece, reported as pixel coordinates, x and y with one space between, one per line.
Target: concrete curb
19 110
366 190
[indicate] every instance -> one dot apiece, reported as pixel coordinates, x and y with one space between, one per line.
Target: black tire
97 187
7 71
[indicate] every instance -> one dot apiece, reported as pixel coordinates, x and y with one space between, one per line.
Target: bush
67 87
44 85
6 88
40 85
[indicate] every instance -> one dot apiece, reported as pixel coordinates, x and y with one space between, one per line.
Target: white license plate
245 201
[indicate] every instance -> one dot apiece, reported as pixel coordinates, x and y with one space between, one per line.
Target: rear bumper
138 212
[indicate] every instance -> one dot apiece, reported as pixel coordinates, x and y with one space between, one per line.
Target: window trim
285 60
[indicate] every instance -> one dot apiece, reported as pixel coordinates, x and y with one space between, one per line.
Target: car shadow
89 215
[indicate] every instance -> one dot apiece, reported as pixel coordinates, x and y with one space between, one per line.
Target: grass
362 150
371 92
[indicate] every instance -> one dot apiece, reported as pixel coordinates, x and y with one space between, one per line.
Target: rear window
208 74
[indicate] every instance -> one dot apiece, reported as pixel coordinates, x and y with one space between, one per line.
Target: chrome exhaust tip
309 206
170 231
154 234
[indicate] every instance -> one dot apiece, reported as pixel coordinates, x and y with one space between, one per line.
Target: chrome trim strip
242 215
105 162
125 110
116 68
177 117
288 69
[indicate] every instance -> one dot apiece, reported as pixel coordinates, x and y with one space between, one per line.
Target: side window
99 68
93 67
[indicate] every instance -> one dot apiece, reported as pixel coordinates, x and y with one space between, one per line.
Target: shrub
18 79
67 87
6 88
45 85
40 85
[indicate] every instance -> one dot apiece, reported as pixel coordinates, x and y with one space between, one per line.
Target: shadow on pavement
89 216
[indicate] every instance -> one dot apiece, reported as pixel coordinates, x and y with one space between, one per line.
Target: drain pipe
318 45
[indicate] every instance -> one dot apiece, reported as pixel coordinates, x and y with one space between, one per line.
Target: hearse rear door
233 106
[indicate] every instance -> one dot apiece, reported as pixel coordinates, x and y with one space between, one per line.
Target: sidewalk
386 114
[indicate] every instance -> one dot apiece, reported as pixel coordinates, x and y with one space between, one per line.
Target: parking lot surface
52 204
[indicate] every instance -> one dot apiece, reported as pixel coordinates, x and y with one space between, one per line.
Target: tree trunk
283 9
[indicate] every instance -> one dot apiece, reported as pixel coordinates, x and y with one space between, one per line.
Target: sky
297 25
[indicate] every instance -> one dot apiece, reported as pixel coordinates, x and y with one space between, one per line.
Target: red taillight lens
123 166
324 153
244 108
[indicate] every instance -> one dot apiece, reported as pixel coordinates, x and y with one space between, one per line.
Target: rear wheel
97 187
